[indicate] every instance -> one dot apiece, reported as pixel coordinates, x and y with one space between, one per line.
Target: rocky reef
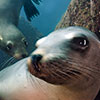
84 13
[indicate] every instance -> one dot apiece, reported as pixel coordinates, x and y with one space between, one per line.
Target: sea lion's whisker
7 63
41 87
78 75
58 73
53 71
34 82
83 72
12 60
31 80
69 68
78 63
82 69
68 73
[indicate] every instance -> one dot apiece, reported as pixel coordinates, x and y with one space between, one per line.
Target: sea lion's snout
20 56
36 58
33 62
24 55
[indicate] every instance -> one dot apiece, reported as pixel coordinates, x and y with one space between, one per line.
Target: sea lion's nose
24 55
36 58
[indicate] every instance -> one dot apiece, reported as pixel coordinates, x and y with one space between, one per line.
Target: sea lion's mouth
33 64
35 61
50 71
20 56
36 67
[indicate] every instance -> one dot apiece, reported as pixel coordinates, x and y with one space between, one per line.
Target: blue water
51 12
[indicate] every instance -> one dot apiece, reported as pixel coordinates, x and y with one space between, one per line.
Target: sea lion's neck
9 19
65 93
32 88
5 22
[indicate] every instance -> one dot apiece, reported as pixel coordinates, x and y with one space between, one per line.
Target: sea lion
62 67
31 34
12 41
65 58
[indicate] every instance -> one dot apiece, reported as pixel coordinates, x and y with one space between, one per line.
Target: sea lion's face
67 56
13 43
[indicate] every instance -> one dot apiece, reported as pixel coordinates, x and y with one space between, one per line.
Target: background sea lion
31 34
63 61
12 41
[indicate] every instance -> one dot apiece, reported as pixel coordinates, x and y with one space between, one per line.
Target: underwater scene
49 49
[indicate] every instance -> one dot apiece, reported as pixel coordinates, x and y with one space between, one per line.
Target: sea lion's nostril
36 58
24 55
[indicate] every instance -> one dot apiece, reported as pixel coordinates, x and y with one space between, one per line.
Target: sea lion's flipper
30 9
37 1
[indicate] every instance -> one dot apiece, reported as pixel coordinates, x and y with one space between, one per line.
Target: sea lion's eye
80 43
25 42
9 45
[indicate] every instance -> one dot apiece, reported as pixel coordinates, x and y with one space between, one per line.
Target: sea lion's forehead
68 33
65 35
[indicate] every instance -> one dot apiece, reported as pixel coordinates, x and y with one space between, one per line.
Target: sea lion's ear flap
40 41
1 38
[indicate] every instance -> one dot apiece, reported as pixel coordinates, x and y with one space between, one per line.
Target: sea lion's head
13 42
67 56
